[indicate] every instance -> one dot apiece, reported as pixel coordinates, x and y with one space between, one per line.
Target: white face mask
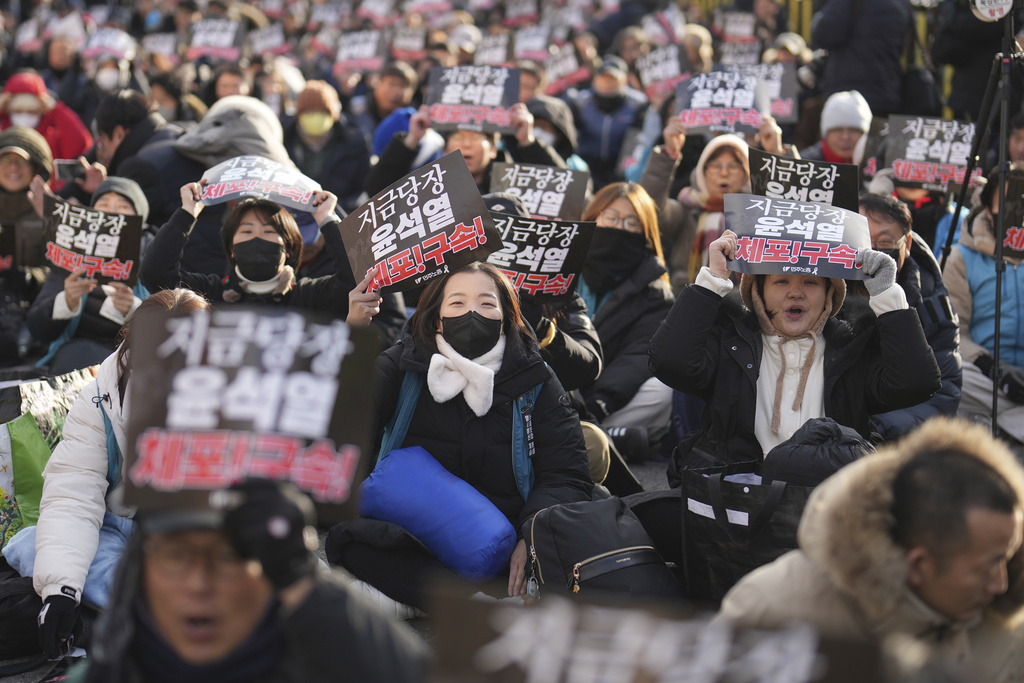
26 119
545 137
107 78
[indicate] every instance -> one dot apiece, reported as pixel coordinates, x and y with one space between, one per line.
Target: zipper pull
532 585
575 584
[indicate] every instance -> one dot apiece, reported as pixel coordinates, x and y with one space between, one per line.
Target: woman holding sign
264 248
778 358
468 344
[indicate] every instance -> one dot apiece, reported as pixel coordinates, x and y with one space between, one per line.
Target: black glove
270 525
1011 382
56 623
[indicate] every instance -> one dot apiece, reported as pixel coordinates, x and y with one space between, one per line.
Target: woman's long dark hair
423 323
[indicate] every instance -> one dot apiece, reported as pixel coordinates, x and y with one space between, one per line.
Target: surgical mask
258 260
545 137
316 124
894 254
107 78
471 334
26 119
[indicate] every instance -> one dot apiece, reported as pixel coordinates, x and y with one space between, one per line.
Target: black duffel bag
594 547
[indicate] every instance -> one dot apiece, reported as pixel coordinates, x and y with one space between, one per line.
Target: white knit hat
846 109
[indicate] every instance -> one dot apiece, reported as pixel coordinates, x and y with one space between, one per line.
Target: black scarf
614 255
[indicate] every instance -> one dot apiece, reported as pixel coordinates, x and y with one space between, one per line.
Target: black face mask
609 103
257 259
471 334
894 254
614 255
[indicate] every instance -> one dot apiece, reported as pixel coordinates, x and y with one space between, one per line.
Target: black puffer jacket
478 449
625 322
574 353
710 346
865 40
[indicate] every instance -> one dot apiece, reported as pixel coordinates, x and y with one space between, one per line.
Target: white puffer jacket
75 486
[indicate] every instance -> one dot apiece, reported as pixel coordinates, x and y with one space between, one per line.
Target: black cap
503 202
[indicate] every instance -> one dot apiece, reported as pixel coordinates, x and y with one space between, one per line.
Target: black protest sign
665 27
722 101
327 15
564 19
779 236
569 640
253 176
780 87
542 257
269 392
273 9
495 49
269 40
162 44
740 44
1013 242
360 51
378 12
564 69
430 223
427 6
105 245
532 42
521 12
109 43
546 191
801 180
474 98
27 36
873 159
662 69
409 43
216 39
926 152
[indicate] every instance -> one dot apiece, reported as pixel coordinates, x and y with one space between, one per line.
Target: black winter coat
710 346
865 40
625 323
479 449
574 353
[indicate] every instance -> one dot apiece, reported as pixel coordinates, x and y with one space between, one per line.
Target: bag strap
398 427
757 522
114 459
523 447
69 332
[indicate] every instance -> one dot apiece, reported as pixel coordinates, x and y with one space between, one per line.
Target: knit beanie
26 83
846 109
29 144
318 96
127 188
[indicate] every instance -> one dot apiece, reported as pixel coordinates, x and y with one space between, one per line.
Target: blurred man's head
889 222
478 149
395 87
117 113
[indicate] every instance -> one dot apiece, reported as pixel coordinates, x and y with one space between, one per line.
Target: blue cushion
456 523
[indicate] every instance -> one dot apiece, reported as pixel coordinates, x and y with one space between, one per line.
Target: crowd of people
662 352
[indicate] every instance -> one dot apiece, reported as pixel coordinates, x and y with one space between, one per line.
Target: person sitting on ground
770 363
235 595
264 246
469 338
77 316
845 119
918 543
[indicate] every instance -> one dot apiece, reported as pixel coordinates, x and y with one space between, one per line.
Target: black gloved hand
56 623
1011 382
270 525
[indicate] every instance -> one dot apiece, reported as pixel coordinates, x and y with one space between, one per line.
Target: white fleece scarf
451 374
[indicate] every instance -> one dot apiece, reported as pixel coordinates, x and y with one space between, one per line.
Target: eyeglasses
174 560
888 243
630 223
723 167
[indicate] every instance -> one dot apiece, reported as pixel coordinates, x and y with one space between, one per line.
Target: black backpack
19 610
594 547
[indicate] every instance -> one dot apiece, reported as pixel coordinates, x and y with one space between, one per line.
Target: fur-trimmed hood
846 527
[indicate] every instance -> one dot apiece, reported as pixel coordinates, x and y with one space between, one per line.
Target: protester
76 316
890 224
26 102
625 286
391 89
917 546
771 363
970 278
235 595
84 526
469 338
845 118
263 245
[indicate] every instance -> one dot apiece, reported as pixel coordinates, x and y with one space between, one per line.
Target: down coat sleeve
73 501
161 267
684 352
903 373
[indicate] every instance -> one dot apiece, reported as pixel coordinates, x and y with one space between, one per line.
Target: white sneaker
387 605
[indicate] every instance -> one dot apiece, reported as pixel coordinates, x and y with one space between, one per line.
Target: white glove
880 269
